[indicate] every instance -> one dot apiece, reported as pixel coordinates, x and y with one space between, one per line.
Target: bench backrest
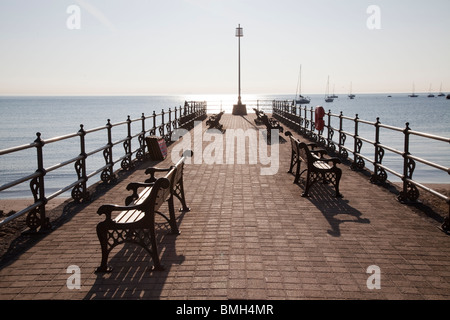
258 113
219 116
306 155
151 198
177 175
265 120
295 145
162 192
301 149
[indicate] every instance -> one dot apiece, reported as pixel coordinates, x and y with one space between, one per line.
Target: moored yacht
413 95
328 98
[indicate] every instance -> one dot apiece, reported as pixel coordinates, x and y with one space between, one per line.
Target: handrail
19 181
162 124
18 148
60 138
297 118
430 136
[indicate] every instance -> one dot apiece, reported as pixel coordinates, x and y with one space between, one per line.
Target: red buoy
318 121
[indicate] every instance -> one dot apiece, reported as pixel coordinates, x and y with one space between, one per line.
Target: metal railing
162 124
302 120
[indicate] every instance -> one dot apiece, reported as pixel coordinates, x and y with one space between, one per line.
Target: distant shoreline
199 94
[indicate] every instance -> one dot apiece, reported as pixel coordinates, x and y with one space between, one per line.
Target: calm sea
22 117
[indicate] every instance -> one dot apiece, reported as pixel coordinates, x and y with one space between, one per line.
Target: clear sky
189 46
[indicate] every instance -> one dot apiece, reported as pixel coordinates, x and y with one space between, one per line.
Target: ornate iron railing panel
164 123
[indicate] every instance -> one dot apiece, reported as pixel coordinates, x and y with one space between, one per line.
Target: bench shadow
251 123
335 210
133 276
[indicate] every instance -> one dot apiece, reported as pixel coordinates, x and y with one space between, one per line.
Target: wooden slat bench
270 124
317 166
295 154
214 122
135 222
259 114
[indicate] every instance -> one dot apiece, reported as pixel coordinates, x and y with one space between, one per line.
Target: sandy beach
436 204
8 205
14 228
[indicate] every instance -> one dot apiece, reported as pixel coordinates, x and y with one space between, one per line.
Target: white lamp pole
239 108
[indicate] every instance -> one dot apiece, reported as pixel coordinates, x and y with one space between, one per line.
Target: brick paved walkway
247 236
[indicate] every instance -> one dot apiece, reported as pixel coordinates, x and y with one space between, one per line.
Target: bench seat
317 166
135 221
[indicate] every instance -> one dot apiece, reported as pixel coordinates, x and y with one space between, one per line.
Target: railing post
409 190
379 174
175 123
312 134
36 217
306 122
297 120
355 143
153 129
342 152
358 162
79 192
140 154
330 134
107 174
161 126
127 163
168 136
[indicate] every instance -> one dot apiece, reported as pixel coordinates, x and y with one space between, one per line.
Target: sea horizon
209 94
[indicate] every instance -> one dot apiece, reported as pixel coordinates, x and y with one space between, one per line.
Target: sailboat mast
298 82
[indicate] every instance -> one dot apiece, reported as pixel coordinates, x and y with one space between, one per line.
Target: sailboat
430 95
333 95
299 99
413 95
441 94
351 95
328 98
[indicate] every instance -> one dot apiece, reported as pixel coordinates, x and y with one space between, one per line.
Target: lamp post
239 108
